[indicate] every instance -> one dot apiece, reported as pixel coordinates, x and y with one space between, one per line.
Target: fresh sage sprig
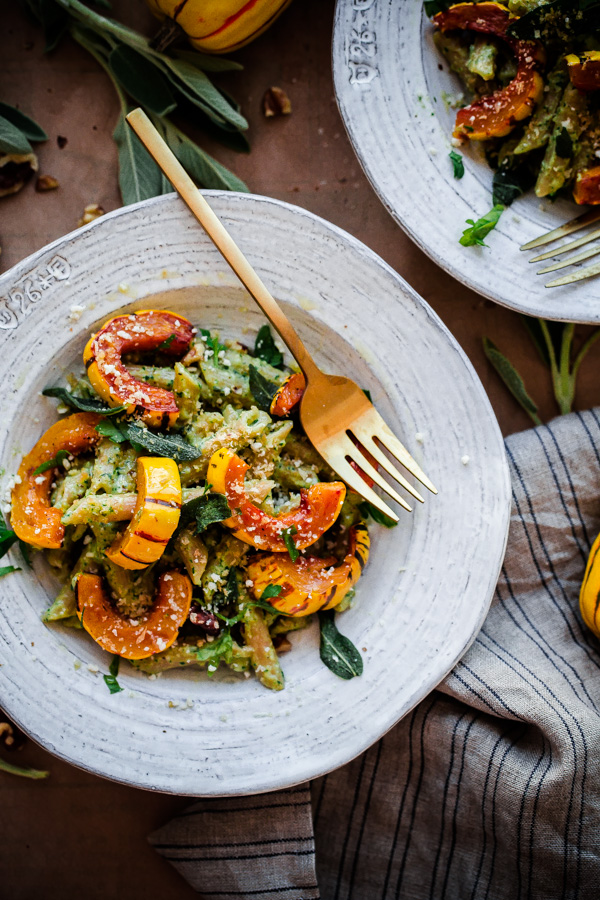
17 130
554 344
161 84
337 651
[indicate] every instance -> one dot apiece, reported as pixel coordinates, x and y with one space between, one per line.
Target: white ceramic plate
391 91
428 584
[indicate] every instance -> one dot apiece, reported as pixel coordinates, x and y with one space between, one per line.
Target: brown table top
76 834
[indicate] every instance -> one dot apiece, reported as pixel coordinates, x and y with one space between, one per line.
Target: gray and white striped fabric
490 788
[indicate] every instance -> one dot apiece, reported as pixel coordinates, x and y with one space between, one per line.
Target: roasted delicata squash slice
288 395
584 70
310 583
155 517
319 507
495 115
149 633
142 331
32 517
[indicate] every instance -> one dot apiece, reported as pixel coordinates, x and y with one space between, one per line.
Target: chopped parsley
475 234
52 463
6 570
164 345
288 540
110 680
367 509
457 164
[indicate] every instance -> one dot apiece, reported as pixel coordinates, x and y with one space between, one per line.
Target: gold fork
588 218
333 409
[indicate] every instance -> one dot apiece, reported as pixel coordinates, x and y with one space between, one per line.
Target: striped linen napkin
490 788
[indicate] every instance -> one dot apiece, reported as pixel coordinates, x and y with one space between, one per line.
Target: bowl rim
318 768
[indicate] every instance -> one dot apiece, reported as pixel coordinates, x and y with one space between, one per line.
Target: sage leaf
266 348
142 80
457 164
209 509
200 165
208 63
367 509
26 126
564 144
435 6
110 680
511 379
261 388
173 446
288 540
83 404
506 187
198 88
337 651
6 570
12 139
52 19
139 176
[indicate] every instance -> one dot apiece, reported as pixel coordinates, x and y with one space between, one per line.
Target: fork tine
571 260
564 248
587 218
364 436
372 421
351 450
579 275
338 462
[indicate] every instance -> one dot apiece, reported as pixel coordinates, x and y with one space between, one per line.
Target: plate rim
403 218
504 483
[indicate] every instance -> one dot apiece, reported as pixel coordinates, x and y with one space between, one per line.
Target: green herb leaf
479 229
337 651
288 540
111 680
83 404
205 510
507 186
212 343
26 126
199 89
208 63
172 446
564 144
271 590
52 463
23 771
7 538
139 176
261 388
205 170
266 348
367 509
511 379
142 79
166 343
6 570
217 651
111 430
457 164
12 139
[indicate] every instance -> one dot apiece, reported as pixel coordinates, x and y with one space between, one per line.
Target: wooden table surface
75 834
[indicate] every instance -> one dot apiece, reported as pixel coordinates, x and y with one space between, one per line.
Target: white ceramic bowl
428 584
391 91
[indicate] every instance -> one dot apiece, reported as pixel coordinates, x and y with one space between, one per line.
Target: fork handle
185 187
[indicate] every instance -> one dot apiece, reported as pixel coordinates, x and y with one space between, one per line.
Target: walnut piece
46 183
275 102
91 212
